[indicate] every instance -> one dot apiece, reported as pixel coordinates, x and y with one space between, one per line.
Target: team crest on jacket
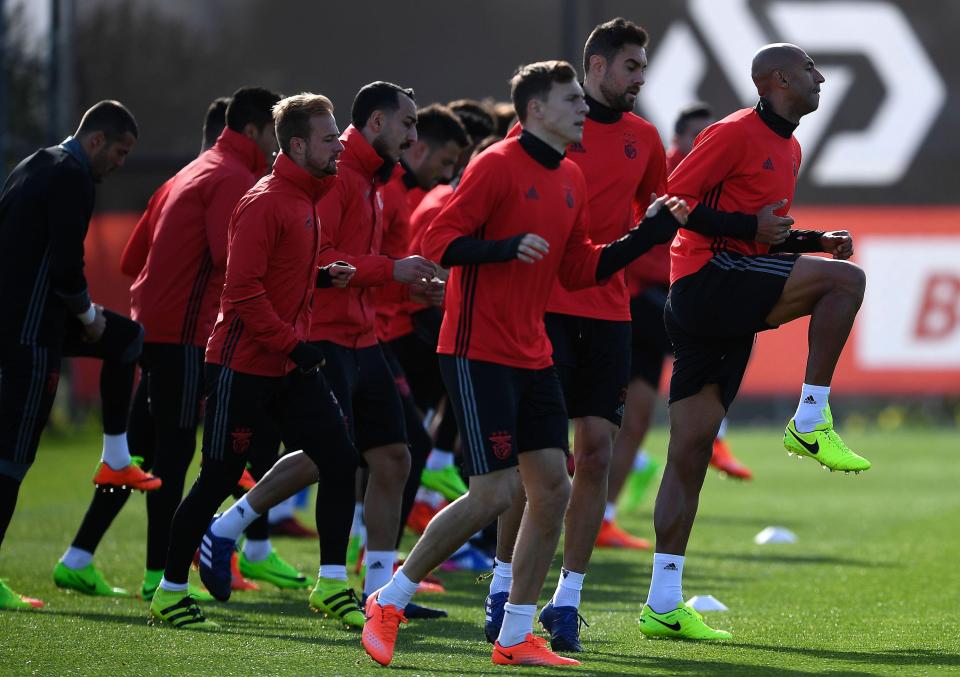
576 147
502 444
241 440
630 146
570 201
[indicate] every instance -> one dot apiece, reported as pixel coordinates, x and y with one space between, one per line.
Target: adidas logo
564 572
532 194
809 400
240 510
670 567
768 165
376 565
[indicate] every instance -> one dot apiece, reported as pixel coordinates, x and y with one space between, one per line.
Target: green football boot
179 610
13 601
274 570
823 445
87 580
684 622
638 481
336 599
151 581
447 481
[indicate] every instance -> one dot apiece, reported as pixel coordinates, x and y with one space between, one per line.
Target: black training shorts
650 343
503 411
713 315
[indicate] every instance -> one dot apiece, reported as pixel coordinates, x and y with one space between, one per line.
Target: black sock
420 448
9 488
104 507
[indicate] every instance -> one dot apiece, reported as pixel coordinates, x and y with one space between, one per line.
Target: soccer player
517 220
384 118
725 290
45 209
622 160
262 375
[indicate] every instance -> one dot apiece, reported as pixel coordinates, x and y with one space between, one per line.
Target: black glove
307 357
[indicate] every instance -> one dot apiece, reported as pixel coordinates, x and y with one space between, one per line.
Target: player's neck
544 136
600 110
541 149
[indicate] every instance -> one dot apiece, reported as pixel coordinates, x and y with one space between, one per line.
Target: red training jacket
134 256
176 294
737 164
494 311
271 272
352 218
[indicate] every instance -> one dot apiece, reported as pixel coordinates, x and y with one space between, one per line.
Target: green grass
871 587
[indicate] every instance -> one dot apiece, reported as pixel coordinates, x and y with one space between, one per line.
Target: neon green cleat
335 599
447 481
274 570
14 601
638 481
151 582
823 445
179 610
684 622
87 580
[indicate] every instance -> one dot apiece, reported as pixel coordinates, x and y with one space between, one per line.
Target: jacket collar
289 171
540 150
778 125
72 146
360 156
601 113
243 148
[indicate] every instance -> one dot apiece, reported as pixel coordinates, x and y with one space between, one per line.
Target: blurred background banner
879 157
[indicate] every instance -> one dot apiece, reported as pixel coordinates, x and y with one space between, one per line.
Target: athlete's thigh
28 385
377 408
122 340
811 278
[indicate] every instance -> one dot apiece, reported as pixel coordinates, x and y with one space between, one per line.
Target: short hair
251 105
505 116
535 80
609 38
438 125
476 117
695 110
110 117
215 120
376 96
291 116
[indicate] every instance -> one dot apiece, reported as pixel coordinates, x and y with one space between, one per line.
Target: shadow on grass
903 657
774 558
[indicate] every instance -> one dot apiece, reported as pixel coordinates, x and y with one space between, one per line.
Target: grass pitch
871 587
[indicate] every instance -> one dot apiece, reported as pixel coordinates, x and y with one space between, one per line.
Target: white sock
813 402
257 551
517 623
568 589
666 584
502 576
641 460
357 526
172 587
379 569
75 558
282 510
232 523
723 429
337 572
610 512
439 459
432 498
115 454
398 592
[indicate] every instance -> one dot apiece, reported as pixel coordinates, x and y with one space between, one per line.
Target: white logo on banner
911 311
881 153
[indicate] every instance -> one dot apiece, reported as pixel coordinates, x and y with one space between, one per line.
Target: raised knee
851 278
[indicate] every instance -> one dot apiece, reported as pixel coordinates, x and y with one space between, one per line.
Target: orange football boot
531 651
131 476
380 631
612 536
724 461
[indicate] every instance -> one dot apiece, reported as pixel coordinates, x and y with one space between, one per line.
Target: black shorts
713 315
29 375
651 345
503 411
362 383
173 377
419 362
246 413
592 358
